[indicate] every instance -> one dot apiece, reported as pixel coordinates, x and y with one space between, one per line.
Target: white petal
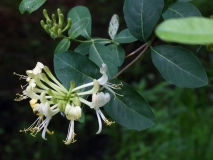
99 122
47 121
70 134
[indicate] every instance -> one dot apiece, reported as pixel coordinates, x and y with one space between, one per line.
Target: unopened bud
58 11
46 28
53 35
59 33
54 18
61 20
69 22
42 23
49 22
46 14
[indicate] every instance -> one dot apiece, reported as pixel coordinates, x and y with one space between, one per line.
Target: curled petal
99 122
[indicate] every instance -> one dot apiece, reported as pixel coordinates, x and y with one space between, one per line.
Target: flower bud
46 14
54 18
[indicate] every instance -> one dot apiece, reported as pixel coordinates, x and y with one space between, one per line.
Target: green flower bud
49 23
42 23
69 22
58 11
61 20
55 28
46 28
59 33
53 35
54 18
46 14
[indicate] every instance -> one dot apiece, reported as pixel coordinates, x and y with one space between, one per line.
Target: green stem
91 40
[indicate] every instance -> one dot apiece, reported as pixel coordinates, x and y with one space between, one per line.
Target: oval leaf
113 26
130 110
193 30
181 10
71 66
78 27
99 54
124 37
78 13
62 46
83 48
30 5
141 16
119 52
179 66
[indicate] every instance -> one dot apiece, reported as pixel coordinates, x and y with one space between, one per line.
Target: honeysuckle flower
49 96
99 100
42 110
38 121
36 71
104 80
72 113
48 112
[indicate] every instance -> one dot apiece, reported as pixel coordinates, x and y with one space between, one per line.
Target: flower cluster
49 97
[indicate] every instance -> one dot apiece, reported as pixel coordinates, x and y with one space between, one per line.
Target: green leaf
113 26
99 54
181 10
30 5
192 30
78 27
62 46
119 52
141 16
83 48
71 66
79 12
130 110
179 66
124 37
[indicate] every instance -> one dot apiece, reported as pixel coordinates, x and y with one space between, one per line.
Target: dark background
184 127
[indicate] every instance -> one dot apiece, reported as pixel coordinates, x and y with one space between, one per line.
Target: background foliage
184 116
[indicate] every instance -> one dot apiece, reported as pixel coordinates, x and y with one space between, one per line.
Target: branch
146 45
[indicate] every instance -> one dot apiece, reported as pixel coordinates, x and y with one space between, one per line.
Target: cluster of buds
49 97
52 27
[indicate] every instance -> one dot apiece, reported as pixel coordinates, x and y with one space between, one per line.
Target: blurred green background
184 127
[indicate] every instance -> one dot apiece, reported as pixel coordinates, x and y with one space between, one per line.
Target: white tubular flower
48 112
36 71
99 100
104 80
38 121
41 110
30 93
72 113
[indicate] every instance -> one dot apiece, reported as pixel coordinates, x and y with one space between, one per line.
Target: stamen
109 123
70 135
32 128
20 97
21 76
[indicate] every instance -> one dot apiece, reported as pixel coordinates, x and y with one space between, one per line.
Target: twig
146 46
136 50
